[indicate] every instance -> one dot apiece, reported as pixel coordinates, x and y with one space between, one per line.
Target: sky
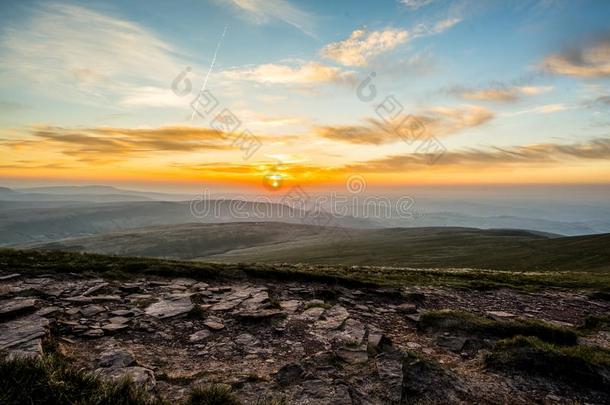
396 93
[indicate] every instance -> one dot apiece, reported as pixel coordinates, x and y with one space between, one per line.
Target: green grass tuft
578 365
216 394
478 325
51 380
595 323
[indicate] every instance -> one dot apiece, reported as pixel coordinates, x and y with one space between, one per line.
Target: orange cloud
590 60
110 144
362 46
499 93
438 122
303 73
549 153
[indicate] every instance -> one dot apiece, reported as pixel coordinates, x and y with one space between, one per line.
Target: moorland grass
215 394
51 380
479 325
577 365
42 262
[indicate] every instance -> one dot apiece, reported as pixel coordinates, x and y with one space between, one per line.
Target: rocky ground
304 342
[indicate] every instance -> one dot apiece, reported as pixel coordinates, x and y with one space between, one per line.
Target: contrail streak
205 81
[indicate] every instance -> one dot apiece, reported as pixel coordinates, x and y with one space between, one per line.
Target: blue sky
489 79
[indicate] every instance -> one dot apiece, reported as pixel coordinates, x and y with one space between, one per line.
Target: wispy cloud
538 155
541 109
588 60
68 47
438 122
499 93
416 4
601 100
263 11
363 46
546 153
110 144
299 73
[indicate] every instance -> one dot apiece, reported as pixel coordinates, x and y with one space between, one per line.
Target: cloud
594 149
445 24
438 122
300 73
548 154
590 60
67 47
287 169
111 144
263 11
151 96
541 109
362 46
499 93
416 4
599 101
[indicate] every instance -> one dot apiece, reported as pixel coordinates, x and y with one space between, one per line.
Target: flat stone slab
501 314
353 332
114 327
15 307
95 288
334 318
23 335
141 376
118 320
407 308
214 324
290 305
250 296
92 309
169 308
226 305
199 336
310 314
116 357
353 355
260 314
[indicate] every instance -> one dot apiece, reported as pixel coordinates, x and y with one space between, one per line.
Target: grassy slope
405 247
30 262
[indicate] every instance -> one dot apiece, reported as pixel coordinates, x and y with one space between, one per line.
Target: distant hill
442 247
52 212
69 194
34 221
84 193
95 192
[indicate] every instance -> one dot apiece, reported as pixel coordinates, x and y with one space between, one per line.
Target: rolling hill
436 247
